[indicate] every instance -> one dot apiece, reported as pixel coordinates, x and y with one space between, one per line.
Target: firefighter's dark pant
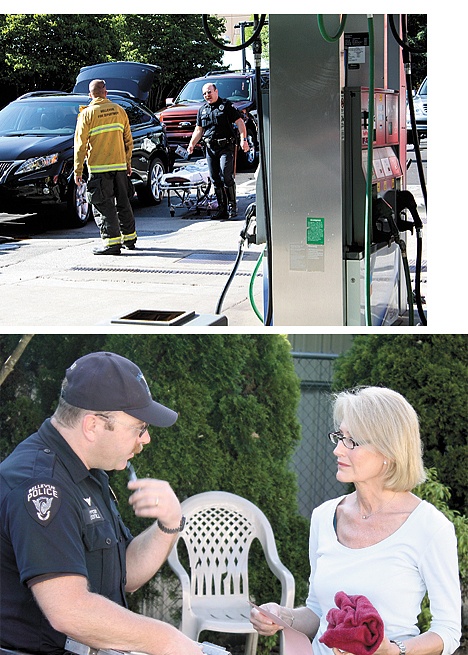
108 192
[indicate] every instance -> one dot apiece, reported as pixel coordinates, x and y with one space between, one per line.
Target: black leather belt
218 143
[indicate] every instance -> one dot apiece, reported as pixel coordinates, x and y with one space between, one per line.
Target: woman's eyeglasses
348 442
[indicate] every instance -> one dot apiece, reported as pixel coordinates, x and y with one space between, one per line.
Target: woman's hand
262 624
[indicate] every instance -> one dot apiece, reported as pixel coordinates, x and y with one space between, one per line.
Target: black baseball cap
104 381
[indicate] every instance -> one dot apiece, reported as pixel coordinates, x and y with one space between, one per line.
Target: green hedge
431 371
237 398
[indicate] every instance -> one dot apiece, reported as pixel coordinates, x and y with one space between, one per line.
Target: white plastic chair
219 531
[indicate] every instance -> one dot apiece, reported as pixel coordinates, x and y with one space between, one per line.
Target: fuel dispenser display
387 174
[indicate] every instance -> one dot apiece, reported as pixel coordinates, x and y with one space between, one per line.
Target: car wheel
249 159
151 193
79 210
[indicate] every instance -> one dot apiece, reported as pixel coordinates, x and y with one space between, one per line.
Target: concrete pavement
181 264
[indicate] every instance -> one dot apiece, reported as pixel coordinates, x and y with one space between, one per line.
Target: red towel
356 626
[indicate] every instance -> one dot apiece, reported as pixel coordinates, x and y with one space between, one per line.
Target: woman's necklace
366 516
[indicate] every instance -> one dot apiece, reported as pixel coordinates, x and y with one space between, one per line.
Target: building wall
232 33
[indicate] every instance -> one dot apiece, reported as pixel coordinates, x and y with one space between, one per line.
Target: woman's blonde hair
384 419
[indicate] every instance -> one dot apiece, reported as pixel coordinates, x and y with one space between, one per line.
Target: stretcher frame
195 196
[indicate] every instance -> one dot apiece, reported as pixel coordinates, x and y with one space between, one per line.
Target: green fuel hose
323 31
370 154
251 285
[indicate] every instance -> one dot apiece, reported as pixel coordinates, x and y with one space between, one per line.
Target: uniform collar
52 438
98 101
216 104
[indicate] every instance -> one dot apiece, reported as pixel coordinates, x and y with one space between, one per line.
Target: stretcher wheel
172 212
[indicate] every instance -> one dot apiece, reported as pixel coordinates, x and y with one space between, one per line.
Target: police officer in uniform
67 559
215 121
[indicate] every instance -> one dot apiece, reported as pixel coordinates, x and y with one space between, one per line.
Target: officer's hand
78 180
155 499
245 146
190 149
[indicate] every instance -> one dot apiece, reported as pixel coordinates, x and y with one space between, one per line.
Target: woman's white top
393 574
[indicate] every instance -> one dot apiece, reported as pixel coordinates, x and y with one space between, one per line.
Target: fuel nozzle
400 200
384 228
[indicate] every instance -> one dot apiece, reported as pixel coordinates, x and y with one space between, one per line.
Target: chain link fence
313 461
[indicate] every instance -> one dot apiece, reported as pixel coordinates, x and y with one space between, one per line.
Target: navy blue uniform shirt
56 517
217 119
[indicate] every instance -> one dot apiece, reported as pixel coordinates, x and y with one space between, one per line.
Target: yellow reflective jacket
103 137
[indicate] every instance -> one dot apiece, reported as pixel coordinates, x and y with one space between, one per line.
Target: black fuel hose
244 235
406 50
233 48
409 290
417 275
258 25
403 44
400 200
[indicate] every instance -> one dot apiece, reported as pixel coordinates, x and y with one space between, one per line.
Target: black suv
36 143
180 115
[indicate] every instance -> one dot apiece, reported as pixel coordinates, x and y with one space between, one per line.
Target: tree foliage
431 371
438 494
417 37
176 42
46 51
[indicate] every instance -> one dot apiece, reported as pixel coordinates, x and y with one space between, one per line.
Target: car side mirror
169 101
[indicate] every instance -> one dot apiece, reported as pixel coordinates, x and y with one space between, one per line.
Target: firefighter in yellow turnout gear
103 138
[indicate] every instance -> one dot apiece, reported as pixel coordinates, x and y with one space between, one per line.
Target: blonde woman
380 541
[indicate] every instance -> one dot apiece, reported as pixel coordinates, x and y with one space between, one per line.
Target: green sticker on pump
315 231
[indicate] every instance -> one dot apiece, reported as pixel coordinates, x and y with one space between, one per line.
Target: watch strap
172 530
400 645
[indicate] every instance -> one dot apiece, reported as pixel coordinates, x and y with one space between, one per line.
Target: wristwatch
400 645
172 530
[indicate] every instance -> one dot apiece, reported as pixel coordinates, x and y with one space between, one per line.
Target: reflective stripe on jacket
103 137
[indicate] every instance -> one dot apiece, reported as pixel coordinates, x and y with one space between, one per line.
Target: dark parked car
36 143
179 117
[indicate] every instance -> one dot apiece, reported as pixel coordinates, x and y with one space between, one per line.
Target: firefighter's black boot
231 199
222 212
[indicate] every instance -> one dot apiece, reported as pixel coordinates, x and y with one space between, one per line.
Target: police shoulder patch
42 500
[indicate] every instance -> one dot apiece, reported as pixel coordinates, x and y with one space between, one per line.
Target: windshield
235 89
39 117
423 88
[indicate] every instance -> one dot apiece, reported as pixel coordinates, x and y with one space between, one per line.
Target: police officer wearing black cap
214 124
68 561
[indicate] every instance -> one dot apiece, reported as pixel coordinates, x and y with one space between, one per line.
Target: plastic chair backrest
219 531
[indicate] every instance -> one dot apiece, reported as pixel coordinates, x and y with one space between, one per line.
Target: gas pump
335 134
333 146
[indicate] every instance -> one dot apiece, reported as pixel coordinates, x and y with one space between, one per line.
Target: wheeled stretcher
192 186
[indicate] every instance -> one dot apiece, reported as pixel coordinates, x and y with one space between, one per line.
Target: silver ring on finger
156 502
